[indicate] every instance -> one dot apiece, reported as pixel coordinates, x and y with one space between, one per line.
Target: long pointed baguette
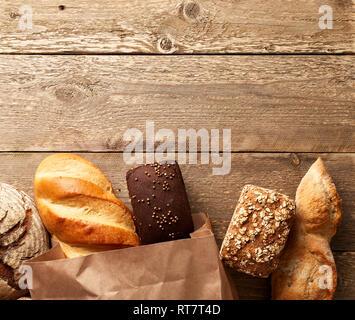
307 270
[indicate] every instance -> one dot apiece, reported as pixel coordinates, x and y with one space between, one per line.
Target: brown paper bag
180 269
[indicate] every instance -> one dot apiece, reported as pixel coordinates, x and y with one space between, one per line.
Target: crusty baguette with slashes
77 205
307 269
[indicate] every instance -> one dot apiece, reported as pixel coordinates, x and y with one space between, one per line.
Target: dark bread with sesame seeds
307 269
161 210
258 231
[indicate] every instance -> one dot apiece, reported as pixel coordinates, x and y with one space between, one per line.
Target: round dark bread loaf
22 236
161 209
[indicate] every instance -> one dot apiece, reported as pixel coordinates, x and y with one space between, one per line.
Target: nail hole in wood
295 159
14 15
61 7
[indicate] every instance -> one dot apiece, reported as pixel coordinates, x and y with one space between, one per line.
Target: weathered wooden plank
248 287
175 26
79 103
345 263
217 195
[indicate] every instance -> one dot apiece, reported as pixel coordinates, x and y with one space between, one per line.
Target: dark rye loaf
161 209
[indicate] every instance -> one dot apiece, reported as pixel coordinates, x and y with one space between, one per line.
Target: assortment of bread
269 233
256 242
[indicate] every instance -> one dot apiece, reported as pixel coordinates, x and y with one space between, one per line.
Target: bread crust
161 209
77 204
22 237
258 231
307 254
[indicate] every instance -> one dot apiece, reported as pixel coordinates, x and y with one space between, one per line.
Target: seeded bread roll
258 231
22 237
161 209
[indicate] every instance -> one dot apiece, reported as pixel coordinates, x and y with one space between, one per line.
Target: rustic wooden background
89 70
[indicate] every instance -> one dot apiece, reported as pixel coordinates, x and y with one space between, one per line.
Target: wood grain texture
176 26
86 103
217 195
345 263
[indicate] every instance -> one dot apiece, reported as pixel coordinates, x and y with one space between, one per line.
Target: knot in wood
165 45
191 10
14 15
74 91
